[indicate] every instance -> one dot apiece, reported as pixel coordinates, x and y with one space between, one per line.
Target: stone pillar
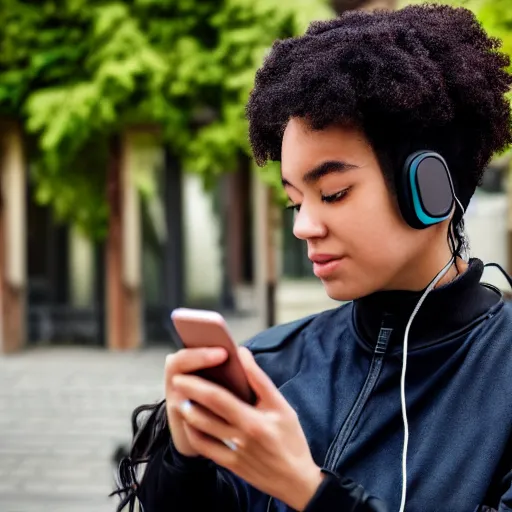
234 227
259 234
124 244
13 268
114 288
509 192
265 261
174 262
132 243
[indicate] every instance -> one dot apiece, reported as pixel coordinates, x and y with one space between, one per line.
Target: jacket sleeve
337 493
174 482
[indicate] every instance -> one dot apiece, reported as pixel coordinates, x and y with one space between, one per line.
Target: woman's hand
185 361
264 445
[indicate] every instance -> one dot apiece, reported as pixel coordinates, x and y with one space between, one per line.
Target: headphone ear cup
404 194
425 190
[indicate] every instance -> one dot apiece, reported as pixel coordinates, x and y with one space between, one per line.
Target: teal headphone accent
425 190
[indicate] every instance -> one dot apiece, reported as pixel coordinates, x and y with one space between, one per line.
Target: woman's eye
294 207
333 198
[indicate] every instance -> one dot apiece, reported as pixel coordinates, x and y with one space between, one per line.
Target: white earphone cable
460 204
429 288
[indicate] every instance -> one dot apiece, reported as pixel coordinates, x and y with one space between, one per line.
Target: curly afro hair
423 77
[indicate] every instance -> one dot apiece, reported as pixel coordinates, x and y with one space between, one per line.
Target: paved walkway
63 411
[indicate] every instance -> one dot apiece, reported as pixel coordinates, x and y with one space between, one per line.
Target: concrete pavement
62 413
64 410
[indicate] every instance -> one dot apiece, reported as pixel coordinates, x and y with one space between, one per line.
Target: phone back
198 328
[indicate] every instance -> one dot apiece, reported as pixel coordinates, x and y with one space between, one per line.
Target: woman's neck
417 275
458 268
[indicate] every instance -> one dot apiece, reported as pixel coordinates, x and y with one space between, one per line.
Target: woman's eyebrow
321 170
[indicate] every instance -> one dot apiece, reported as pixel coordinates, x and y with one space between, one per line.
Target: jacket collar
447 310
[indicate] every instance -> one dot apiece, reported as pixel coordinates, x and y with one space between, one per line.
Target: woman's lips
323 267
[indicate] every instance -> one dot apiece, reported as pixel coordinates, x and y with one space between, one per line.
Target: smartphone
200 328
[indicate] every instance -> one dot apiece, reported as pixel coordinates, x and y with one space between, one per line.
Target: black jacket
341 372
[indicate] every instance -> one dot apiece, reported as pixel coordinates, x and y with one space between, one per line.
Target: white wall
486 227
81 268
201 239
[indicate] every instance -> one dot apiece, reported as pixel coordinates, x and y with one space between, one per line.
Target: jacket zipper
338 446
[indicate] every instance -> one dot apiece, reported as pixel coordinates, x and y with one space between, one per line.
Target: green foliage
496 17
79 71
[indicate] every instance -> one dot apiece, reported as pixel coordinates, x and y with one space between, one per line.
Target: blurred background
127 189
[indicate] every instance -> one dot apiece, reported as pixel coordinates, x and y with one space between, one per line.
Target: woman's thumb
259 381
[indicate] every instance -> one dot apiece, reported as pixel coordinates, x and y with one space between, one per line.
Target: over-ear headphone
425 190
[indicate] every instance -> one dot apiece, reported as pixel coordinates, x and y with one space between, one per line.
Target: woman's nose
307 226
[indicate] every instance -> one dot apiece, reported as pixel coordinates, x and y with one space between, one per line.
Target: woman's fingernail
185 406
215 354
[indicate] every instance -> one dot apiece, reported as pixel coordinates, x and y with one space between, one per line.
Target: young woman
401 399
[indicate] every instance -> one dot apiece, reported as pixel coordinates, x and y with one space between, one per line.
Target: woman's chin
342 292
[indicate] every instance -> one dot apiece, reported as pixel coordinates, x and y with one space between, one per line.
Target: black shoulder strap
275 337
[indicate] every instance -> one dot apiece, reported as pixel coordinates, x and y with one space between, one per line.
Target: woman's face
356 237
